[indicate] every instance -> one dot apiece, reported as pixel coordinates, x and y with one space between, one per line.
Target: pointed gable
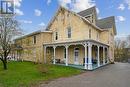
87 12
90 14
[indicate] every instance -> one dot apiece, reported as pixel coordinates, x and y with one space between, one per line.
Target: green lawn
26 74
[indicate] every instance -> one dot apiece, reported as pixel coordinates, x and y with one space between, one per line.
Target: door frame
76 62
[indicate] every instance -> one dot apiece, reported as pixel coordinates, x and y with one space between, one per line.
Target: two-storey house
72 39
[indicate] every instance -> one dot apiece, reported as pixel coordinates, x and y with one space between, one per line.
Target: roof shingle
87 11
106 23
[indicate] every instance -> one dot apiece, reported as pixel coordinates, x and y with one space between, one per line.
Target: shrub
41 68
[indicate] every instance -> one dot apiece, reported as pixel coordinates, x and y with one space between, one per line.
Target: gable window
69 32
34 40
89 33
56 35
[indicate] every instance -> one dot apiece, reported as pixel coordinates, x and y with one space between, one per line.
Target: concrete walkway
115 75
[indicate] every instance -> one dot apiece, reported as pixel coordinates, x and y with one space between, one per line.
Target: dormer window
69 32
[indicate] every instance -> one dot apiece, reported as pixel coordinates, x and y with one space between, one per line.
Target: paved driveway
115 75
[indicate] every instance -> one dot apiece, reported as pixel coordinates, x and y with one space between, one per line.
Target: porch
94 66
80 54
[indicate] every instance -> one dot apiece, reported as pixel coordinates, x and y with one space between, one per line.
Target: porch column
66 47
54 61
103 55
89 56
98 56
85 63
44 54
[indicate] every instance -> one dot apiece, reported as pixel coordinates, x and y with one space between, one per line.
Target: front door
76 56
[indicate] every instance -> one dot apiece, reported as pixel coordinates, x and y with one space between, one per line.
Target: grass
26 74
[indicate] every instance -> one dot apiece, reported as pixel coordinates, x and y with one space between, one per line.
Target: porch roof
76 42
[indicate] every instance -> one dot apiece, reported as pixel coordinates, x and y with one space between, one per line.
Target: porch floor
94 66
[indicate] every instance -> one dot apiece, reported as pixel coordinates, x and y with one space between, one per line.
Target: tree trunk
4 64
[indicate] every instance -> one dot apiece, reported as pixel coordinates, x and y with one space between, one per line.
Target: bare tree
117 49
120 50
128 40
9 27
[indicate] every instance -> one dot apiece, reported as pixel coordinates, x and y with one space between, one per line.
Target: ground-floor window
64 53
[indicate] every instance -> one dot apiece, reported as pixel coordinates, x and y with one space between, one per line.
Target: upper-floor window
34 40
89 33
56 35
69 32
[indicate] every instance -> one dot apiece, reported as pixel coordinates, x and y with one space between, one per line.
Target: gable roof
87 11
33 33
106 23
83 18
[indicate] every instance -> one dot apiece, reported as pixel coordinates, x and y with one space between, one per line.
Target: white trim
89 56
46 31
66 47
85 56
98 56
54 61
45 54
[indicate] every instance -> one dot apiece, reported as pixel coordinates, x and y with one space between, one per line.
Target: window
89 33
69 32
56 36
34 39
65 53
